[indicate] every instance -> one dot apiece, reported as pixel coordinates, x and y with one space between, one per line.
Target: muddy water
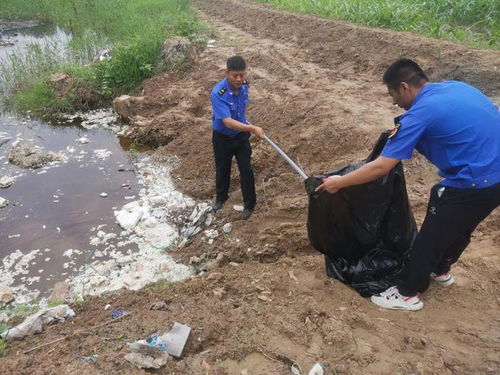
59 206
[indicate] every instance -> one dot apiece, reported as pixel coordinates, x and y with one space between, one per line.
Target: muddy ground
316 90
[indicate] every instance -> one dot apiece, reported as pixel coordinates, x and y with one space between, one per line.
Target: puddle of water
60 222
56 209
17 39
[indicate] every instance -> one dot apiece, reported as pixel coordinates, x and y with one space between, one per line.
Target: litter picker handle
295 167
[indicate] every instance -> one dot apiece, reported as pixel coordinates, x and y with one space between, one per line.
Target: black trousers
452 216
225 148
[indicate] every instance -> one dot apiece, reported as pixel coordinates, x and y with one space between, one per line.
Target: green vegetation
476 22
3 347
24 310
133 30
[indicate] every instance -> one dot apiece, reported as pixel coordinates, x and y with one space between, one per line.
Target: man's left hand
330 184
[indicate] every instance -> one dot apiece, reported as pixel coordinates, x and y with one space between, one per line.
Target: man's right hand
258 131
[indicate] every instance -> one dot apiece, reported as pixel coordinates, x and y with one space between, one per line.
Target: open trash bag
364 231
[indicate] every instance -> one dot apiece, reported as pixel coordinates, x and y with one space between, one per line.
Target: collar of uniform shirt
230 89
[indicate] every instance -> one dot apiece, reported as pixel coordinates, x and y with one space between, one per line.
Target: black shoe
217 206
245 215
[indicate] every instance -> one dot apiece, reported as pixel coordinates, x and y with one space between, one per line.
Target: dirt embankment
315 88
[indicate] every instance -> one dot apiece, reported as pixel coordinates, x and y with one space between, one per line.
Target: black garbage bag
364 231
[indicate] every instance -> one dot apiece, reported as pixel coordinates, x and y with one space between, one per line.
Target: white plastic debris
82 140
3 202
227 228
104 195
129 215
6 181
238 208
211 234
35 322
317 369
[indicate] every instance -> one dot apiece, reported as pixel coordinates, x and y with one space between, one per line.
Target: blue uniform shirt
457 128
226 104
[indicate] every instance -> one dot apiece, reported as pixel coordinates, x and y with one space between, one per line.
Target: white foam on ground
149 223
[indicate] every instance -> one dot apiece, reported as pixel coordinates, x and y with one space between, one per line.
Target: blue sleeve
402 143
220 108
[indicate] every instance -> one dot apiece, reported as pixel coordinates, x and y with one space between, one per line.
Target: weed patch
132 32
476 22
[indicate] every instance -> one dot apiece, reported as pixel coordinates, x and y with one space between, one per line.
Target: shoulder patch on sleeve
222 91
394 131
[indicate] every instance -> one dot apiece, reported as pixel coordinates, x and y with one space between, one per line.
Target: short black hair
404 70
236 63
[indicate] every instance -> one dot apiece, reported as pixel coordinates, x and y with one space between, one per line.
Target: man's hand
258 131
331 184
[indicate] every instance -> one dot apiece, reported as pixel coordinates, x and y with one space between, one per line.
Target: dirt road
316 90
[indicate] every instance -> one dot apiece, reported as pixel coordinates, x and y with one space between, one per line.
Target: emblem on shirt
222 91
394 131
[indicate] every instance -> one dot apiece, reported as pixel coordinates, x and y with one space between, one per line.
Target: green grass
133 29
476 22
3 347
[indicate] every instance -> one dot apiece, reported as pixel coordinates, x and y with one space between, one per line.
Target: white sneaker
444 279
392 299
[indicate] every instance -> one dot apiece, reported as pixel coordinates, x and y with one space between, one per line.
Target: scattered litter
227 228
102 153
176 339
6 181
115 314
158 305
107 307
296 370
209 220
317 369
35 322
82 140
211 234
3 202
143 361
89 359
154 351
104 195
130 214
238 208
200 211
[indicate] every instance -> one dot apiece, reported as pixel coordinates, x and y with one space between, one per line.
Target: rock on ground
128 106
6 295
62 293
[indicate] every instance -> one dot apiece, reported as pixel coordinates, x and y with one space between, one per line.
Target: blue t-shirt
457 128
227 104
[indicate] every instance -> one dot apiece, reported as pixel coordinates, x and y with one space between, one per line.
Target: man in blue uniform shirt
231 133
457 128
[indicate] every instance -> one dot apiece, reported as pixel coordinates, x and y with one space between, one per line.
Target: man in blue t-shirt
457 128
231 133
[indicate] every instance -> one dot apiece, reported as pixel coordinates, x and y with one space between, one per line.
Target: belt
226 135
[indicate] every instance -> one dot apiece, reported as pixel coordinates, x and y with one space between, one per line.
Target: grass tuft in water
133 30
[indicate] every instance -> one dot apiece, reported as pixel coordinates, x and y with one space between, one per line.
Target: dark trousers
452 216
225 148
